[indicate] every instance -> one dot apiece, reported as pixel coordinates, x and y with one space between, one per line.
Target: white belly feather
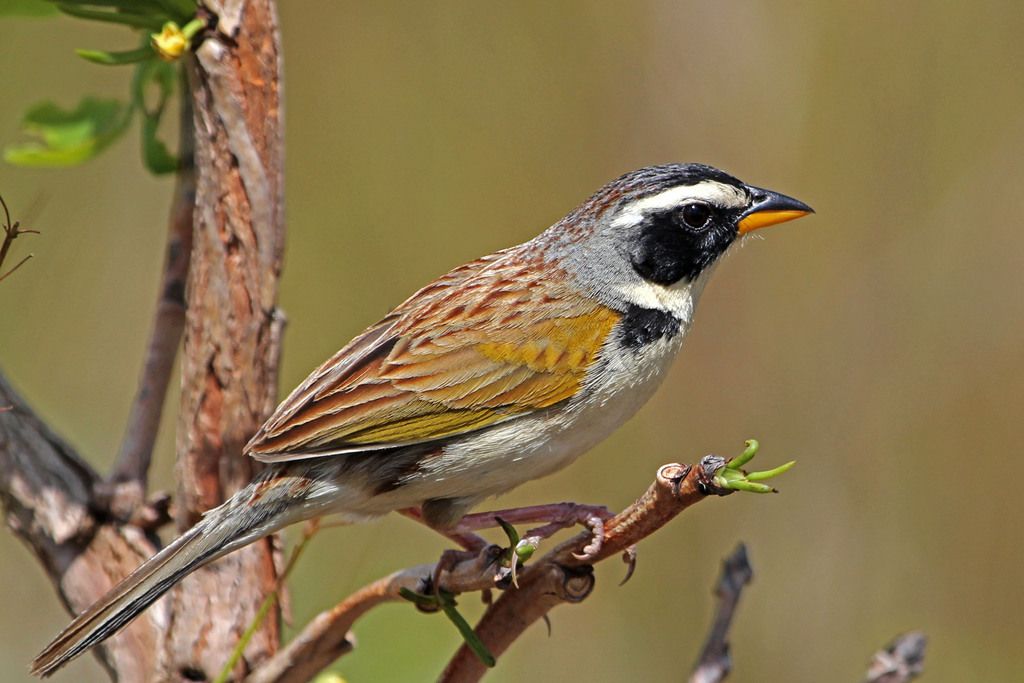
500 458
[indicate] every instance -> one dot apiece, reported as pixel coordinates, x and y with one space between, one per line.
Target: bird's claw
447 562
629 557
590 550
560 516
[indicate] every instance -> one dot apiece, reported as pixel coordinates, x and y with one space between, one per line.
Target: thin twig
12 230
130 470
310 531
17 265
715 660
327 636
900 661
558 577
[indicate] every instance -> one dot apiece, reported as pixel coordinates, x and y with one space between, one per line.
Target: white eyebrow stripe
714 192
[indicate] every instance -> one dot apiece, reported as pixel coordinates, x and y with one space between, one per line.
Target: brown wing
486 343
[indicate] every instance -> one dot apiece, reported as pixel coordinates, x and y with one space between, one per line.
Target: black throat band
641 326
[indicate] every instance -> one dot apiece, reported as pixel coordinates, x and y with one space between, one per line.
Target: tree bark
88 531
47 492
232 329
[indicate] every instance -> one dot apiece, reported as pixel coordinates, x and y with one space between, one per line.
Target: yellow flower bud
170 43
329 677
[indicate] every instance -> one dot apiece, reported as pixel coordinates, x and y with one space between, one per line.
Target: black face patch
665 250
641 326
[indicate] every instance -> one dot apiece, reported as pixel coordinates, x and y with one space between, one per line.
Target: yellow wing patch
423 427
557 345
439 375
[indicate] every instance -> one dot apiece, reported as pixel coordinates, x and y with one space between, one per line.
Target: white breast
499 458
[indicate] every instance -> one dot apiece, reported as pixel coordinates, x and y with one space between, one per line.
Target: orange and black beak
770 208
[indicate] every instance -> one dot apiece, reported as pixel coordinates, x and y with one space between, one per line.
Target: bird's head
661 229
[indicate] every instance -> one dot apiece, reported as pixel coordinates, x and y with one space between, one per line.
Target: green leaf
470 637
116 58
27 8
510 531
163 75
165 10
155 155
153 9
733 478
154 72
181 9
446 601
151 21
425 601
129 6
67 138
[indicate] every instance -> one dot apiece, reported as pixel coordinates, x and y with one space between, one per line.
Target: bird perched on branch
501 371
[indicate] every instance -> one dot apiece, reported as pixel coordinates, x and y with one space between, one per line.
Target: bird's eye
696 215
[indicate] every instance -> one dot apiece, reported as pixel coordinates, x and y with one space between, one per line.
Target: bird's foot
556 516
459 568
465 540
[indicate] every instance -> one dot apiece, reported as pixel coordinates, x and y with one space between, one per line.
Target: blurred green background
878 343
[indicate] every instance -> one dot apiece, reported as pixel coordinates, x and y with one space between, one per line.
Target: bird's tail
266 505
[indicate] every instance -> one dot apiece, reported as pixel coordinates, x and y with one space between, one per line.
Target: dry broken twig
900 661
12 230
715 661
129 475
557 577
327 636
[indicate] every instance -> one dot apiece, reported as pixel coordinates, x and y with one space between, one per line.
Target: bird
499 372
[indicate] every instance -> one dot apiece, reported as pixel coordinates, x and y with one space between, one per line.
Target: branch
232 329
130 471
47 495
558 577
715 661
327 636
12 230
561 577
900 661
